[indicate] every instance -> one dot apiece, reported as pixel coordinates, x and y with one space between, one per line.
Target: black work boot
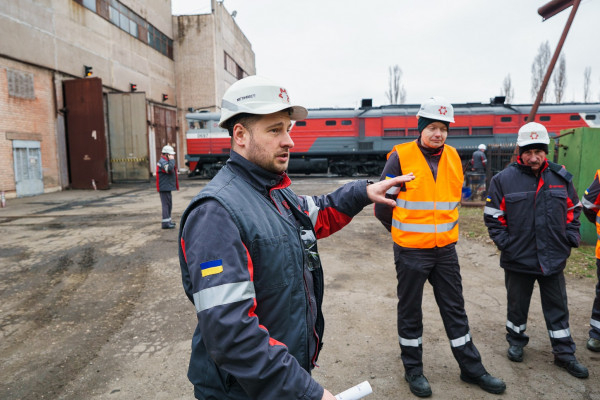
515 353
487 382
593 344
573 367
418 384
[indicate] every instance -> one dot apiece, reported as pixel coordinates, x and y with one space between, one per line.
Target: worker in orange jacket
424 227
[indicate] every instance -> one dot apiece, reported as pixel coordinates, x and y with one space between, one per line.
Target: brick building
90 90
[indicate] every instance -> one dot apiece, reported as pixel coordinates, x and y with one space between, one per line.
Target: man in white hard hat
532 215
424 227
166 182
249 258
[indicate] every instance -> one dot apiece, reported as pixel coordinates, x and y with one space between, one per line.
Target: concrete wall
200 44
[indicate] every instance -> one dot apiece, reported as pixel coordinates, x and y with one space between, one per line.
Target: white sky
333 53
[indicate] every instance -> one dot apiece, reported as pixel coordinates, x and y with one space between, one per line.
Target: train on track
346 141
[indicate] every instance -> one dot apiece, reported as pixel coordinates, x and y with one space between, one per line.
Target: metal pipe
542 89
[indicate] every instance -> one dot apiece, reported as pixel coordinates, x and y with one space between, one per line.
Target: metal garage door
28 167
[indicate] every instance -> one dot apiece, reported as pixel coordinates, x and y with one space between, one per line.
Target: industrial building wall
27 113
54 40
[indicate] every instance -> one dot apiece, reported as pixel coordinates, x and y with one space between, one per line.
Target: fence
499 156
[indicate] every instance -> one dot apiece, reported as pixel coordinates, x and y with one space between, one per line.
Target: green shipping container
579 151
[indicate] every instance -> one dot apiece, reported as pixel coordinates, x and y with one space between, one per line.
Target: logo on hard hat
534 135
443 110
282 91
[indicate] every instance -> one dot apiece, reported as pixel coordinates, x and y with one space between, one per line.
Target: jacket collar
260 179
527 168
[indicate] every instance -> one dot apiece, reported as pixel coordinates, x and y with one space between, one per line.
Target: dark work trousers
595 321
553 293
167 204
440 267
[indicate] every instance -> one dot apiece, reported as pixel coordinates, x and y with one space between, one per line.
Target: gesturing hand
376 191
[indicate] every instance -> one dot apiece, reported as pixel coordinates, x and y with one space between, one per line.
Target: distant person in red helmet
532 215
424 228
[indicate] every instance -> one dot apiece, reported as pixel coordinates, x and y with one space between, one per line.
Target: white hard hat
257 95
481 147
437 108
531 133
168 150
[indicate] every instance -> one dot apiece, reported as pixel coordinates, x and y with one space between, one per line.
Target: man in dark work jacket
532 215
249 258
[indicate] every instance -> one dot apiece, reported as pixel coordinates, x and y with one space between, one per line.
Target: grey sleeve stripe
588 204
313 210
576 205
494 212
223 294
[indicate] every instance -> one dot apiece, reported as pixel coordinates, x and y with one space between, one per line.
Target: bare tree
559 77
396 93
539 68
507 90
587 74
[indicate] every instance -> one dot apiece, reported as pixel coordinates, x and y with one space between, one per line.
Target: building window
91 4
119 15
505 119
300 123
330 122
233 68
412 132
545 118
574 117
346 122
20 84
590 117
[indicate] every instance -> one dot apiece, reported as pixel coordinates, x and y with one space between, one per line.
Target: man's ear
240 136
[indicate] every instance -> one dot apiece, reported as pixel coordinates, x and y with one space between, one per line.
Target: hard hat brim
298 112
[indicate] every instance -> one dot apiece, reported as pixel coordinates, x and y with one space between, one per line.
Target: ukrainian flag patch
389 176
211 267
488 199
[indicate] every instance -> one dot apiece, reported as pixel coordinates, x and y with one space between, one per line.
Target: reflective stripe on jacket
591 204
426 214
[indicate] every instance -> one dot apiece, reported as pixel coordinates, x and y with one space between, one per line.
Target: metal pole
542 89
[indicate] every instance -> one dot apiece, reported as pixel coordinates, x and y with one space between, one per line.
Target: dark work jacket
260 310
534 221
166 175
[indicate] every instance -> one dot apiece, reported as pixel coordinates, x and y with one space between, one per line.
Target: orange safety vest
598 222
426 214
